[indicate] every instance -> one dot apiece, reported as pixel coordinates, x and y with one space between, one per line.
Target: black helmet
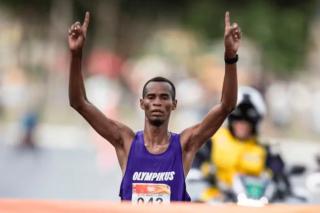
245 111
250 108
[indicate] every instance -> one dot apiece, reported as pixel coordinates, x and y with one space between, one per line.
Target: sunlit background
130 41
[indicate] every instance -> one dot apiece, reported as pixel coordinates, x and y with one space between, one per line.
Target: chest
156 149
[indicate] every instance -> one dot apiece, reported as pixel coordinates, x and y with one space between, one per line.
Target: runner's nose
156 102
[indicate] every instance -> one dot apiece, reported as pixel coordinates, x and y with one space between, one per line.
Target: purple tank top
164 171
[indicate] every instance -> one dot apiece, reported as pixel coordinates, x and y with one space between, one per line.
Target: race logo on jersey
153 176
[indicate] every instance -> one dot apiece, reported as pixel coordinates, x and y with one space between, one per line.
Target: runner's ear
141 104
174 105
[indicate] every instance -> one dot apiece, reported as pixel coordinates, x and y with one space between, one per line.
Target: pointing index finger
227 19
86 20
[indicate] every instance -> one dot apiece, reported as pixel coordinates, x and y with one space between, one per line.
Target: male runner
154 162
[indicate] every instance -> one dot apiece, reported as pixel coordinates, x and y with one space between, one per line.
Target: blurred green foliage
279 27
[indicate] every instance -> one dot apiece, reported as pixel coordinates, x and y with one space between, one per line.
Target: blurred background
47 151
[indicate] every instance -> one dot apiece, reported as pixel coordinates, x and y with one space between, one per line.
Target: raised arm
194 137
119 135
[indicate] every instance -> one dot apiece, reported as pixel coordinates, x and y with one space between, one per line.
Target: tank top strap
176 147
175 140
138 140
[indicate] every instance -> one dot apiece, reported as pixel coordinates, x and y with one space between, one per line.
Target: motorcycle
257 191
246 190
253 191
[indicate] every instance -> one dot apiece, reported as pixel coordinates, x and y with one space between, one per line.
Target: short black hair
160 79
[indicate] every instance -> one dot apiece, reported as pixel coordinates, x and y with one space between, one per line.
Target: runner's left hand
232 36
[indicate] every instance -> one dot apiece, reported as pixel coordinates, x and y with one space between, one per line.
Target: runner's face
158 102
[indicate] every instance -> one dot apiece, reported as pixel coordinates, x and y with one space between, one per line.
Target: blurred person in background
31 116
236 150
154 162
29 123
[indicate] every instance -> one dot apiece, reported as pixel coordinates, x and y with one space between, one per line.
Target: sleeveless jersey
154 177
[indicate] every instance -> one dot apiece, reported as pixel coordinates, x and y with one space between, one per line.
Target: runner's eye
165 97
150 96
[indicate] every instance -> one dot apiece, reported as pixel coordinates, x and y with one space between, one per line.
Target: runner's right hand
77 35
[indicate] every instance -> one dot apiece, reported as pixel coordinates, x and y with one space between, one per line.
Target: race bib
150 193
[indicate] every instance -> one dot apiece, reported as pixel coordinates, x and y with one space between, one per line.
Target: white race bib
150 193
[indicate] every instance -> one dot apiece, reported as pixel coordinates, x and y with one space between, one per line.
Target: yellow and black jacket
231 156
